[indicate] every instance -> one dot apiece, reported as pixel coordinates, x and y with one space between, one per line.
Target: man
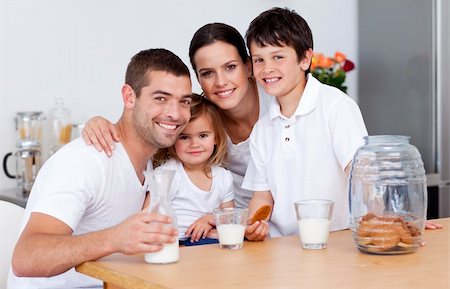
84 205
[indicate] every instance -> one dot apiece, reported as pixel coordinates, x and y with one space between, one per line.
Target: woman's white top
239 156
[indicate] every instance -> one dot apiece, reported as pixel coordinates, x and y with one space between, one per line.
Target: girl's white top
190 202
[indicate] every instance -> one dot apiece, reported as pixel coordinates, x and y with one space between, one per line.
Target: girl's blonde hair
202 107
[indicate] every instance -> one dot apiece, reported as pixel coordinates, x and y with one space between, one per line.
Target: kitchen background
78 50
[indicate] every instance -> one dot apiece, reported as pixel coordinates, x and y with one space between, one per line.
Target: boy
303 146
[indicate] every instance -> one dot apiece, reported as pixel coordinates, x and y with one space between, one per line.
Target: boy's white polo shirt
304 156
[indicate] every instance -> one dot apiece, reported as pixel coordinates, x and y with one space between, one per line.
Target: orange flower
340 57
324 62
331 70
314 61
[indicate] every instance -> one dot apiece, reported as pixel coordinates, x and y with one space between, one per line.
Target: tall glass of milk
160 203
314 217
230 224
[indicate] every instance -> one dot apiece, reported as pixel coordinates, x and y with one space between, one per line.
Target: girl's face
195 145
222 74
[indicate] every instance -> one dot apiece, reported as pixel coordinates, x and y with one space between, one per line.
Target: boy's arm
47 247
258 230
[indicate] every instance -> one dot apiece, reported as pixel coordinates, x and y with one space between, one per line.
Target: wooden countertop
14 196
282 263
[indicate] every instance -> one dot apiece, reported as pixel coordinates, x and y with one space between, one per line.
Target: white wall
79 50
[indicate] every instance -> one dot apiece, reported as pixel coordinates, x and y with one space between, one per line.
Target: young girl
200 184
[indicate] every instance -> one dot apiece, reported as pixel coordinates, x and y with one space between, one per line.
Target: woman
222 65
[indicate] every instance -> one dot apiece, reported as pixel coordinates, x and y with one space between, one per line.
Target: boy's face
278 71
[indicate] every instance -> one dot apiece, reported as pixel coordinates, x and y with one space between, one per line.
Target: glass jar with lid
60 126
29 126
388 196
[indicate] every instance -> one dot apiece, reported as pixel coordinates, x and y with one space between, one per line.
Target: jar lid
30 115
392 139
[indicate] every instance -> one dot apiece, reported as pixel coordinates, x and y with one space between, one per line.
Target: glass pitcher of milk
160 203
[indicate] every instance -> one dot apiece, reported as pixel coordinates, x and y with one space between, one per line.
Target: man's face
163 108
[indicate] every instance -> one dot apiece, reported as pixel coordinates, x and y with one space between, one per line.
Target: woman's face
222 74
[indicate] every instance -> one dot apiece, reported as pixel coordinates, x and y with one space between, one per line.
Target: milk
169 254
314 231
231 234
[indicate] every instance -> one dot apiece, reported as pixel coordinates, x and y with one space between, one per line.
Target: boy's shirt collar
308 101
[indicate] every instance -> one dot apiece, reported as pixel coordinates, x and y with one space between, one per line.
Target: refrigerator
403 75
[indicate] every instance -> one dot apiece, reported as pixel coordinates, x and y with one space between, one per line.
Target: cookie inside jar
388 234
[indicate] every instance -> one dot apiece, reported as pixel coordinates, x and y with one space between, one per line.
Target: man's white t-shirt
189 202
239 157
304 156
88 191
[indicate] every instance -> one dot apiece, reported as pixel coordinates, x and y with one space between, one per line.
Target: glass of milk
230 224
314 217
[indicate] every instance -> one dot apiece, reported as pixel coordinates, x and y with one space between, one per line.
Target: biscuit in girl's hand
261 214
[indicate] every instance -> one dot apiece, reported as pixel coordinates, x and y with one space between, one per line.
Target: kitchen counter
14 196
282 263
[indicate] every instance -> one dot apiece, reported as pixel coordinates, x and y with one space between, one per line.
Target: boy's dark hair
278 27
157 59
213 32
